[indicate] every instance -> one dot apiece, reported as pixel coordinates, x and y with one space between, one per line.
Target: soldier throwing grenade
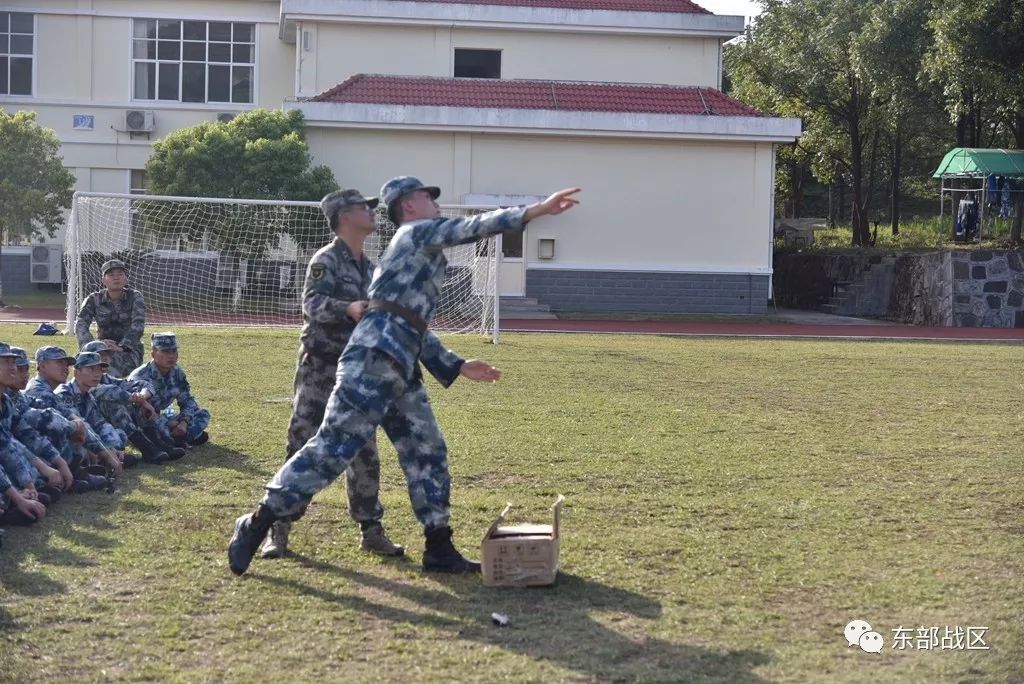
333 302
378 382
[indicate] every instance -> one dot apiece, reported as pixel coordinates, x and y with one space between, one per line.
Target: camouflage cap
111 264
51 353
165 341
21 358
339 199
400 186
87 359
97 346
7 350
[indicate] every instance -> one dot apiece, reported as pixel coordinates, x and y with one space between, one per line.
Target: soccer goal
226 262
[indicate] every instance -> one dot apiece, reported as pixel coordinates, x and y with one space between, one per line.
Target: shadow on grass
84 520
559 624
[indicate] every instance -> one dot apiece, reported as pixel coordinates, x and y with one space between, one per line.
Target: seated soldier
120 316
66 435
169 383
52 365
88 369
47 479
16 460
125 405
31 426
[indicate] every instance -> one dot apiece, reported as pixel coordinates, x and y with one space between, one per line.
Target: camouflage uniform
84 404
41 396
114 396
378 382
33 427
122 321
170 388
15 457
334 280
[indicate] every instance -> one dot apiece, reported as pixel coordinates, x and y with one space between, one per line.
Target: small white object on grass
499 619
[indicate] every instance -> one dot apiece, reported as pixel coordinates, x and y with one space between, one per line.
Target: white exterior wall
690 206
83 65
338 51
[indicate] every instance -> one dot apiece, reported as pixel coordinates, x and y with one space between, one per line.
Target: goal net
202 261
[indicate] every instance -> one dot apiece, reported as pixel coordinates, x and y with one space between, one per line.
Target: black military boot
151 453
202 438
174 452
250 531
441 555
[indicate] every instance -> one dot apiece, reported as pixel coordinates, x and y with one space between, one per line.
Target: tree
259 154
978 58
35 188
890 50
801 52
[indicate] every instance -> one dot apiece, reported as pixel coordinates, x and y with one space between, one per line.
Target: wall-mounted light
306 39
546 248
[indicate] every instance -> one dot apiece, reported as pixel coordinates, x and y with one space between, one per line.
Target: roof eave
547 122
406 12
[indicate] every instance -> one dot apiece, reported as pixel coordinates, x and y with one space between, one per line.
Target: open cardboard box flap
524 554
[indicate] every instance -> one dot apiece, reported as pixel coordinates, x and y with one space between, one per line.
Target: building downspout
771 230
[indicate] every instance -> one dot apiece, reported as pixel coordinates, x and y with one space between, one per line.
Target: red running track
879 331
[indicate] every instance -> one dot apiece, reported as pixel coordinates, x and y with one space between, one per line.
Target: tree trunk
861 233
1018 134
796 179
894 197
2 305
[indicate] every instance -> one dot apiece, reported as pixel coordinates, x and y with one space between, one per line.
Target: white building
494 100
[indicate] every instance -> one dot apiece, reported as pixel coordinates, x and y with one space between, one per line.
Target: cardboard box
521 555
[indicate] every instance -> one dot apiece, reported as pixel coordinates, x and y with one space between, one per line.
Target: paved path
783 323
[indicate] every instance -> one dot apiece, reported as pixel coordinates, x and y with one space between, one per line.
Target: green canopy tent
965 170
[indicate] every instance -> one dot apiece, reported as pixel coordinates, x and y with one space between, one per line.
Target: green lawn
731 505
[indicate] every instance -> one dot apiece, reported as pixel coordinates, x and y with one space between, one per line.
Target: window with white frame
193 61
17 43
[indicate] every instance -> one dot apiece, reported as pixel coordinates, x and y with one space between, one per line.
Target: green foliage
35 188
259 154
732 504
978 55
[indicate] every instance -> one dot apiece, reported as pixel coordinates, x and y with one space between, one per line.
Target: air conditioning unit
138 121
225 117
45 264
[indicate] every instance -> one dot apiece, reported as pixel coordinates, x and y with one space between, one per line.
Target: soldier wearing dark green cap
188 426
333 301
378 382
120 316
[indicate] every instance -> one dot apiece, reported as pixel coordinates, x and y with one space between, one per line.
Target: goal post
237 262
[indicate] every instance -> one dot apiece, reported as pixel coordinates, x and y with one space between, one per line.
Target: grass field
731 505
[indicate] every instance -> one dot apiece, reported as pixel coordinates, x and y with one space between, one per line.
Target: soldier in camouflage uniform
17 506
378 382
333 301
125 405
34 476
188 426
32 426
52 364
120 316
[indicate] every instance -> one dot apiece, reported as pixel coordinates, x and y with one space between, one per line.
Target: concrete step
526 308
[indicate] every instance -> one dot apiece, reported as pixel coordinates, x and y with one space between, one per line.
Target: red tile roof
554 95
668 6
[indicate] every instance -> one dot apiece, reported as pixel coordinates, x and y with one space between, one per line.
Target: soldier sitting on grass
187 427
125 405
52 366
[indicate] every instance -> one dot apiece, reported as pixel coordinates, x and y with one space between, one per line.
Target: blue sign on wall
82 122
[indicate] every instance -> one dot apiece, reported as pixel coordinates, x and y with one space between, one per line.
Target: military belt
405 312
